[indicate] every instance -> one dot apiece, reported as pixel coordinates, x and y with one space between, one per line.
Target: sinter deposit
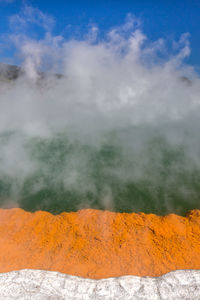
42 285
99 244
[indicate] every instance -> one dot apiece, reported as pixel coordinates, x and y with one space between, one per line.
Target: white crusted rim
37 284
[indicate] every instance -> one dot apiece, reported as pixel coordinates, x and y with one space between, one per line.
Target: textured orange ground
99 244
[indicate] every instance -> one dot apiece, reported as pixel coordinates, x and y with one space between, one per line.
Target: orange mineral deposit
99 244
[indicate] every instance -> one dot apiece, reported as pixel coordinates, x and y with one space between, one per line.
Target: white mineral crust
37 284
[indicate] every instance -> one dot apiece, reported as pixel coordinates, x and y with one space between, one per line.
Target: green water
66 175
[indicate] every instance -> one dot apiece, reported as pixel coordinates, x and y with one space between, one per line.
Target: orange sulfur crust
99 244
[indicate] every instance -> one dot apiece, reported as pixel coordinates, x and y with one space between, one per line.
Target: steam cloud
105 122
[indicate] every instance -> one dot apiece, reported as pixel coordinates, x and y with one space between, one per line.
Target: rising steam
105 122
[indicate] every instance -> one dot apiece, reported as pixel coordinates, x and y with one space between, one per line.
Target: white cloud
31 16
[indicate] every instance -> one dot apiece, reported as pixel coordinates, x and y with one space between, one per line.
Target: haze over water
118 130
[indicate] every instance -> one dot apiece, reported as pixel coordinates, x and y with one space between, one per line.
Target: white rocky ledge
37 284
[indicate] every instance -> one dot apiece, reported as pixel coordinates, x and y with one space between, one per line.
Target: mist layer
109 123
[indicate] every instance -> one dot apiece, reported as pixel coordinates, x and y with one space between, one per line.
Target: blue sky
159 19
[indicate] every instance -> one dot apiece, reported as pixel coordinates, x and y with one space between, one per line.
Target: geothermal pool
119 133
130 170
